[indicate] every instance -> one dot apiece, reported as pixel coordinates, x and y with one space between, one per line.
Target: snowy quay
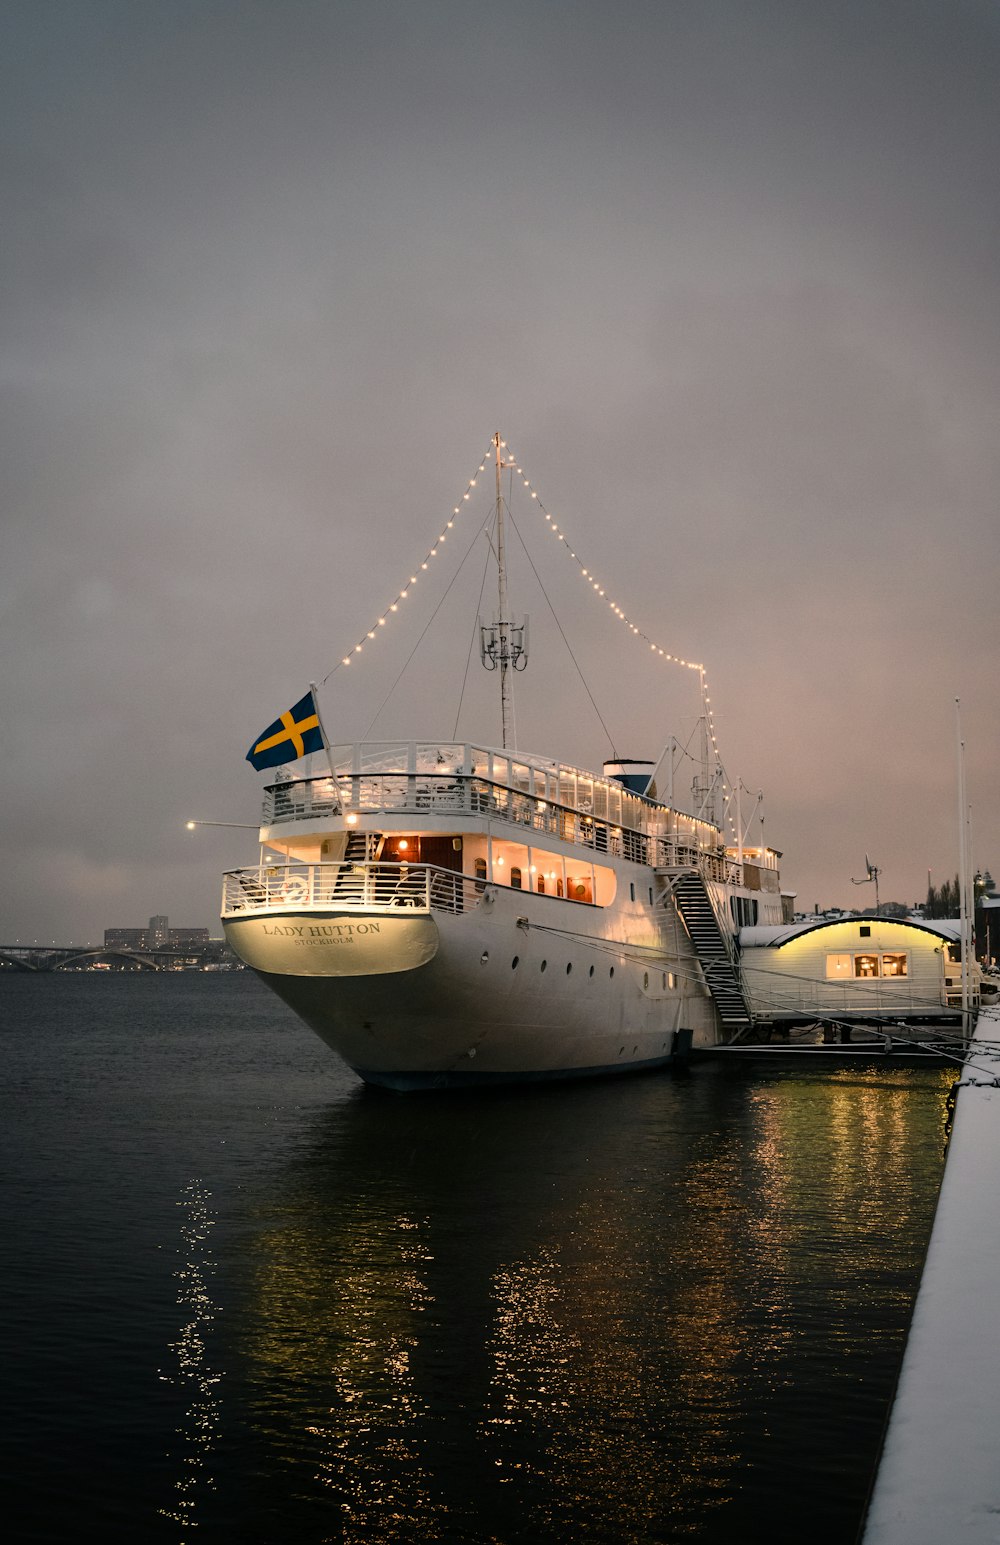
938 1481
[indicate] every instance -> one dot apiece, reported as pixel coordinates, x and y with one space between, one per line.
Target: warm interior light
191 825
403 845
351 820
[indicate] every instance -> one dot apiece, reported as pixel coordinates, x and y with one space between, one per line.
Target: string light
402 594
664 654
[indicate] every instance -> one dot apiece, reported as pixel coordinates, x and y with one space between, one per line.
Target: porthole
645 981
611 972
631 890
591 971
484 957
664 979
514 963
544 964
569 967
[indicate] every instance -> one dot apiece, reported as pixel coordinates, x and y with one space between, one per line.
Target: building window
866 965
865 931
894 965
839 967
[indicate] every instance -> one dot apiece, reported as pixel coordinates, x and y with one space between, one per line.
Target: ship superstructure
448 913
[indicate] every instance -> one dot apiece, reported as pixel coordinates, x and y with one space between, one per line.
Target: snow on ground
939 1479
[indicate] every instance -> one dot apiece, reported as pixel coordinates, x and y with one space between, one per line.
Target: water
248 1301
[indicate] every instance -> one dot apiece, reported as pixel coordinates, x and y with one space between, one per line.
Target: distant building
185 938
159 932
158 936
125 938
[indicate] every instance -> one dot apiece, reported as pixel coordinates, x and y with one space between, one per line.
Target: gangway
715 951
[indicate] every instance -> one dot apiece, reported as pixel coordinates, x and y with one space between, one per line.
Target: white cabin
861 969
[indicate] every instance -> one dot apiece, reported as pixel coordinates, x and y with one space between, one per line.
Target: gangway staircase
713 948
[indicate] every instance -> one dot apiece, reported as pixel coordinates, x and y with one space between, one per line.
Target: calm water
248 1301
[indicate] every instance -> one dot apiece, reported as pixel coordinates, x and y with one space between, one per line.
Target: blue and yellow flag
290 736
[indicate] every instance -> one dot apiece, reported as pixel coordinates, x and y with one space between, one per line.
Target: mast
965 930
503 645
506 696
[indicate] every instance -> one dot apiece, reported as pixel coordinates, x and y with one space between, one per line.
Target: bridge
75 957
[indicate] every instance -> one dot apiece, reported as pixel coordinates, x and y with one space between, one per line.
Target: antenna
872 873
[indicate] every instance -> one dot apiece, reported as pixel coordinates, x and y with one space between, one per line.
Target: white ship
447 914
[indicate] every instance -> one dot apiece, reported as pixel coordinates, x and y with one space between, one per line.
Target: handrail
459 794
389 887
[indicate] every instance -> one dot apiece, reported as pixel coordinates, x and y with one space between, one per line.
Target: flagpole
322 728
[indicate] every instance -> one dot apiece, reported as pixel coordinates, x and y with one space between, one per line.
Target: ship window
631 890
611 972
865 931
651 895
894 965
671 979
866 965
591 971
541 885
484 957
954 953
543 965
515 878
839 966
514 963
569 967
480 869
645 981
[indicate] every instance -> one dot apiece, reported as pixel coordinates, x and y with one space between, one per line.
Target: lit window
838 967
893 965
515 878
866 965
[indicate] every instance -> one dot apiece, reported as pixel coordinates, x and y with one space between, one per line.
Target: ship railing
458 794
388 887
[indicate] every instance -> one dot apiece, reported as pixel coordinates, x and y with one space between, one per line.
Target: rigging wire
475 625
423 635
565 640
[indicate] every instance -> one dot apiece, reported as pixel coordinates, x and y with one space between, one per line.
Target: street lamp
247 826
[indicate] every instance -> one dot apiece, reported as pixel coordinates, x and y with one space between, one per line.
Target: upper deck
436 784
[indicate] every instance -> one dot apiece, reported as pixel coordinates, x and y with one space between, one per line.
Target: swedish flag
292 735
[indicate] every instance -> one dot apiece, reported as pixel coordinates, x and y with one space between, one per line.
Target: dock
939 1476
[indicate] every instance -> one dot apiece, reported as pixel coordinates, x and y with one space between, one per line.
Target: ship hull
520 989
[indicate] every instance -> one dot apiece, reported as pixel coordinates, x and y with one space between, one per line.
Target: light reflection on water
596 1314
192 1373
660 1309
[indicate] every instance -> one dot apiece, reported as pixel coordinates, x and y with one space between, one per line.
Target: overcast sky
725 275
